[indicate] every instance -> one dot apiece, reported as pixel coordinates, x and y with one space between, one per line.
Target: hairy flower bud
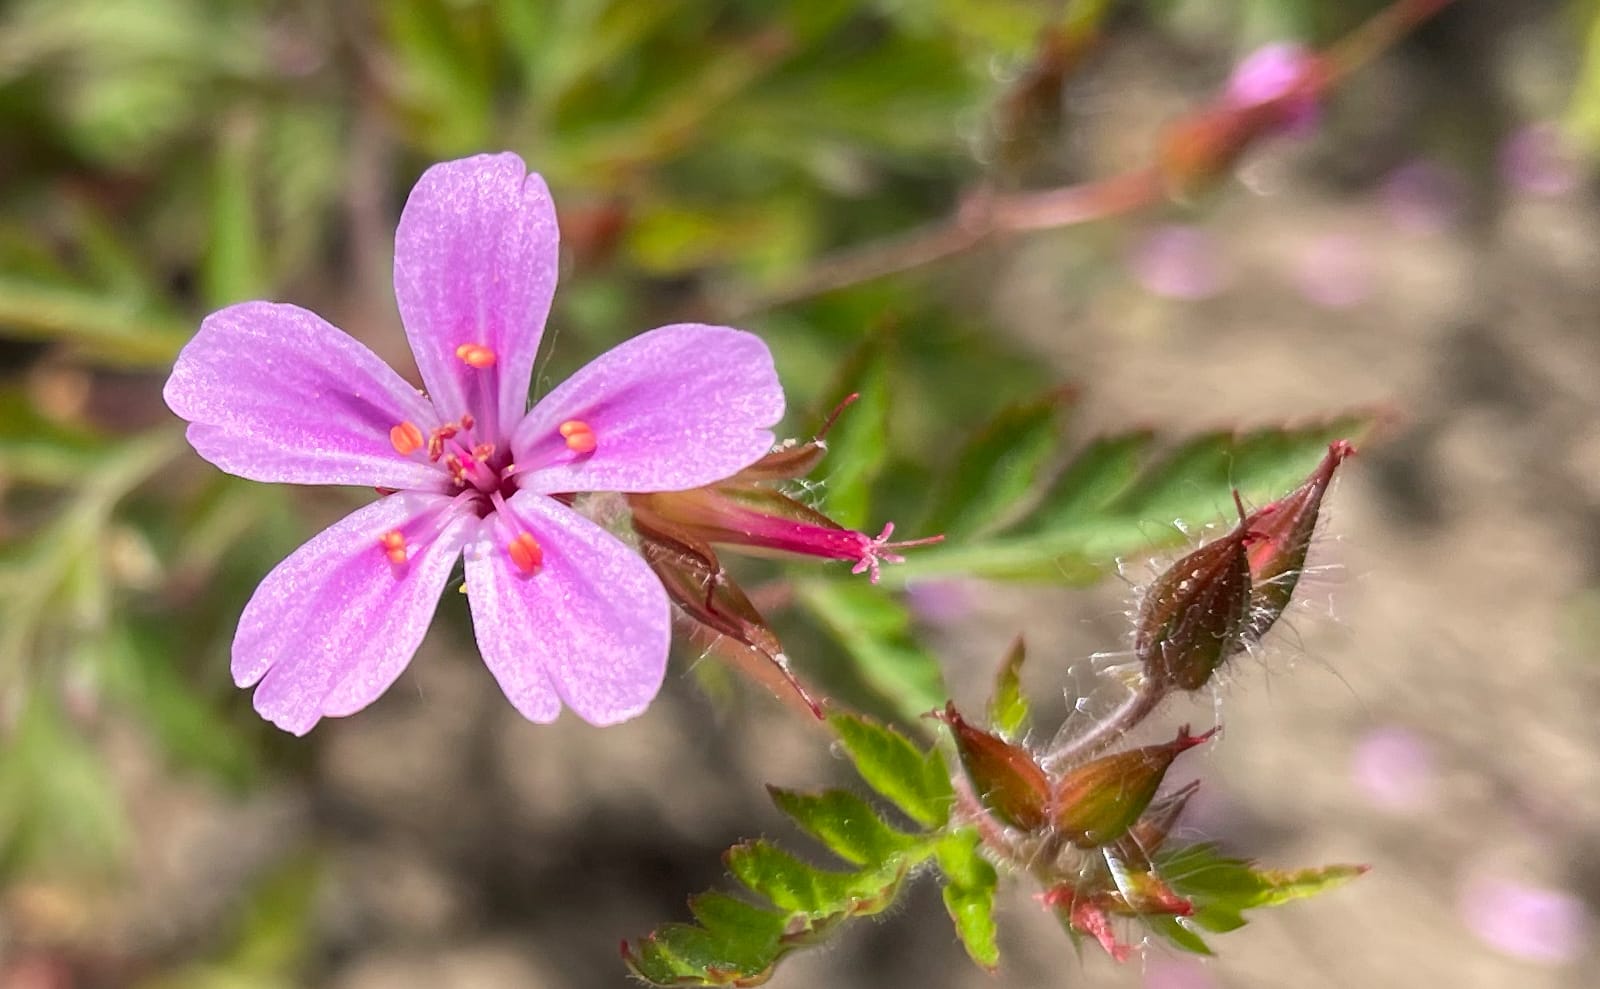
1098 802
1193 617
1280 535
1007 779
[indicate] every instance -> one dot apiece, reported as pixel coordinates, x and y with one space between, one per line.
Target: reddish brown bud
1280 535
1193 617
1098 802
721 613
1007 779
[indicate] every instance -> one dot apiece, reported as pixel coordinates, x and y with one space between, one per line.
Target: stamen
482 452
394 546
526 553
579 436
437 440
406 437
475 355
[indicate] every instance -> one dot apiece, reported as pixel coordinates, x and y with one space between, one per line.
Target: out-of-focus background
1430 246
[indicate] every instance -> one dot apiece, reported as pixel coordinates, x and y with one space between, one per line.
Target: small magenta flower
564 612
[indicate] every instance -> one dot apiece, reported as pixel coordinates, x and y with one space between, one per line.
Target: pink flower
1533 923
1280 73
564 612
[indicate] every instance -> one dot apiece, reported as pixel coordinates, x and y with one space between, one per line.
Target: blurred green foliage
160 158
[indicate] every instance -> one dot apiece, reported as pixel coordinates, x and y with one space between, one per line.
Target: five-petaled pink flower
564 612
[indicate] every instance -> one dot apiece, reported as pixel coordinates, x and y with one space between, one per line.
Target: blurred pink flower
943 601
1424 197
1176 261
1393 767
1335 271
1168 971
564 612
1273 72
1537 160
1532 923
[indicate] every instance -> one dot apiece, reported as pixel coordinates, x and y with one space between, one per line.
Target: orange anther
394 546
475 355
482 452
406 437
525 553
579 437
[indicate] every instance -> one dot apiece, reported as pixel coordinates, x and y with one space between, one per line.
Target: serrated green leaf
1222 887
1111 503
858 445
798 887
997 467
917 782
875 630
846 824
969 894
729 916
1008 708
1096 476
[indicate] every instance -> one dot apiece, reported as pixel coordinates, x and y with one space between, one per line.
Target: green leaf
1222 887
738 943
969 894
113 329
917 782
37 449
997 467
845 823
800 888
232 269
859 442
1008 708
875 630
1113 501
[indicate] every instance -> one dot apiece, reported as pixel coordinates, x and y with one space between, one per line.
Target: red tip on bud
1008 781
1098 802
1280 537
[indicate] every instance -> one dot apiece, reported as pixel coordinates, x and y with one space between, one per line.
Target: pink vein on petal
333 625
593 625
275 393
475 264
670 409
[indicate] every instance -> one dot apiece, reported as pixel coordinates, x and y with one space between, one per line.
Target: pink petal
274 393
332 626
475 262
591 627
675 408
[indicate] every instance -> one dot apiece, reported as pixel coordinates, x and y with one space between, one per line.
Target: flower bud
722 616
1193 617
1007 779
1280 534
1098 802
